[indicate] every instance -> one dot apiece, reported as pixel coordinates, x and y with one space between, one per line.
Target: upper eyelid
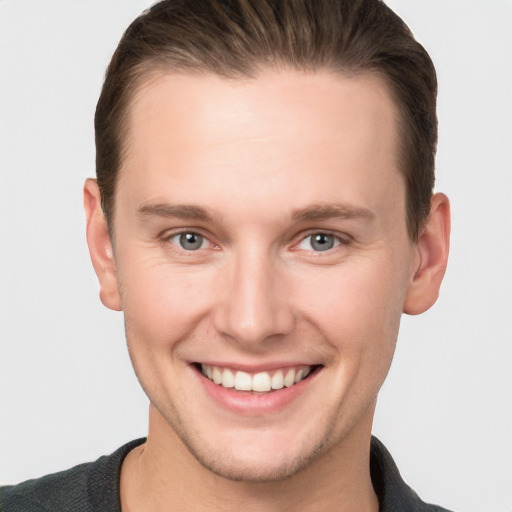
167 235
174 235
175 248
343 239
171 233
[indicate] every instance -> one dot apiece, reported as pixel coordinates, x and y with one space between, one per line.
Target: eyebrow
310 213
331 211
180 211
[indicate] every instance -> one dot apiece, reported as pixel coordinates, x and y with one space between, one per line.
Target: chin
262 456
242 467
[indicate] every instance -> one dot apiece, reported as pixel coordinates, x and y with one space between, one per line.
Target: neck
162 475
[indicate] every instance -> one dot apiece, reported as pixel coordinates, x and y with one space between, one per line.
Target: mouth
258 382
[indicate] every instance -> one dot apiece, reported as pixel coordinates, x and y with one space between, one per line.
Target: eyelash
336 241
184 233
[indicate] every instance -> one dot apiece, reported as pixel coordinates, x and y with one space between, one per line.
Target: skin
271 161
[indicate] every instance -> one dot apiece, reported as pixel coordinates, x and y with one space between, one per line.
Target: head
236 40
264 212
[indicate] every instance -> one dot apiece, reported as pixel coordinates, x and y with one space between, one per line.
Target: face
263 261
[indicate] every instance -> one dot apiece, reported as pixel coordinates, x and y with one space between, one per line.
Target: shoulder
84 488
59 491
394 494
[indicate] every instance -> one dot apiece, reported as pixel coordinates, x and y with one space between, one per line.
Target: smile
262 382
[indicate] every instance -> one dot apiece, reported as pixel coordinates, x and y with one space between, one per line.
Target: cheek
163 304
359 299
357 308
162 308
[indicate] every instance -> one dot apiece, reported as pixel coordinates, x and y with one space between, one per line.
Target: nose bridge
253 308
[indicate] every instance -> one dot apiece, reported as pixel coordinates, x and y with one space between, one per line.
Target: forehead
215 108
311 134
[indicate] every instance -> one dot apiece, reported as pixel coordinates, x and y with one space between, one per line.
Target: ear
100 246
432 248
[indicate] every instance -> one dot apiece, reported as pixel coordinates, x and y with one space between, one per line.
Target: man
263 214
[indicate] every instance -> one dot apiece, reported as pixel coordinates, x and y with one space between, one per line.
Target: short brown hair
236 38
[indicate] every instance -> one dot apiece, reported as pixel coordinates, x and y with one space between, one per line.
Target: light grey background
67 392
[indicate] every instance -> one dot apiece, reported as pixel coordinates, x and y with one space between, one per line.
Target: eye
189 241
319 242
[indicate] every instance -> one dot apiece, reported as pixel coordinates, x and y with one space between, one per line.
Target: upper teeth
262 381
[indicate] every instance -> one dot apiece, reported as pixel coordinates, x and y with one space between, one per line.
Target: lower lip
254 404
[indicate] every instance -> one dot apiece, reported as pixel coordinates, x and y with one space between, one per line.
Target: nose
252 306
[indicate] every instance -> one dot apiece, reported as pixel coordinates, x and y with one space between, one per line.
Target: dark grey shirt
94 487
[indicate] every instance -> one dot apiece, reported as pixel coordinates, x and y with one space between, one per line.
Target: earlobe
432 247
100 246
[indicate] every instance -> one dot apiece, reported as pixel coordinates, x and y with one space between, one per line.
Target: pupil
191 241
322 242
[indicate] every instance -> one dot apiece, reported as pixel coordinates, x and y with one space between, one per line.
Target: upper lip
255 368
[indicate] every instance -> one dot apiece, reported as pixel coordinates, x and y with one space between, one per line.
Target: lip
252 403
252 369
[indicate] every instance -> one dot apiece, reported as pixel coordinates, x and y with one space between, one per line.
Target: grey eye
319 242
322 242
190 241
